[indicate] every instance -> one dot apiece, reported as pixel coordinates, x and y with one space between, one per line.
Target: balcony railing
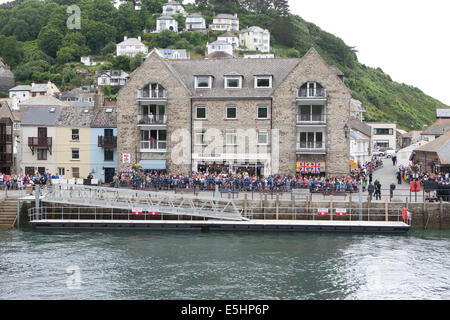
152 94
311 147
5 138
107 142
40 142
6 158
154 145
152 119
311 119
312 94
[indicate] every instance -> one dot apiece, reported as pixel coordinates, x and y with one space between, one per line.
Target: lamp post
346 131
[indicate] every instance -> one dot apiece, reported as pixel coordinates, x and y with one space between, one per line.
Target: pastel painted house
104 144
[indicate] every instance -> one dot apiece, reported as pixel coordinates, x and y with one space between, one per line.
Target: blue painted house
104 144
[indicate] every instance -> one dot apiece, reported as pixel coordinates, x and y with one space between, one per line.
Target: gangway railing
167 203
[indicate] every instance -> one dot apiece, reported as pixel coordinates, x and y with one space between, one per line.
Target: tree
49 40
97 34
122 63
165 39
11 50
136 61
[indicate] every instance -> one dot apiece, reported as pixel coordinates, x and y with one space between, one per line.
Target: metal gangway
167 203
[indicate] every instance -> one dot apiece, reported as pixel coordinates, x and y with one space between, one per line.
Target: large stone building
266 115
6 77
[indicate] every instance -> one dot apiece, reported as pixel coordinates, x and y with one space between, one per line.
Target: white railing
152 119
154 145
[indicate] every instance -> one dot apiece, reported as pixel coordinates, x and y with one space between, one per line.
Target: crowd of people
243 181
19 181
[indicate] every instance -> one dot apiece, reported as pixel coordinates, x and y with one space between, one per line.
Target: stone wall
312 68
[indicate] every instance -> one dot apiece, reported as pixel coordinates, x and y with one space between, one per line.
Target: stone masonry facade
183 152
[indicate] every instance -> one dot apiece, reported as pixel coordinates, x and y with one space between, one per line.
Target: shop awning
153 164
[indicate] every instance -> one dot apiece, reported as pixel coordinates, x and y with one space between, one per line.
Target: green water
158 265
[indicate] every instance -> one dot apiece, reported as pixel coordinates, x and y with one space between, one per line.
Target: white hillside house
130 47
166 23
173 7
221 46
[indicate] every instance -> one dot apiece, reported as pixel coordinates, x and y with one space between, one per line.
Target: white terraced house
166 23
225 22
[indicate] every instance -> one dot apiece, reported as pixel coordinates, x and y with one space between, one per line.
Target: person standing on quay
392 188
377 190
370 189
399 177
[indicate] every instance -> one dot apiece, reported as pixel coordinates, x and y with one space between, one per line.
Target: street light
346 130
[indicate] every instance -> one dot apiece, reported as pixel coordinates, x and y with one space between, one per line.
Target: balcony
152 95
153 146
5 138
40 142
107 142
315 119
152 119
311 148
6 158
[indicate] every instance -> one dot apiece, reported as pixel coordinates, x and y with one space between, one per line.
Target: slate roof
254 29
40 117
165 17
103 119
439 127
441 146
225 16
43 101
39 87
248 68
131 42
361 127
21 88
75 117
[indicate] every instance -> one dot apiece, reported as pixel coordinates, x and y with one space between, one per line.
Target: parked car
390 153
377 153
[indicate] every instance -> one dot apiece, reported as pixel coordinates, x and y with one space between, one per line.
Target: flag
304 167
341 211
136 211
316 167
322 212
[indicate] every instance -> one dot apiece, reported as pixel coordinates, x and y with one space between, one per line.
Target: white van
390 153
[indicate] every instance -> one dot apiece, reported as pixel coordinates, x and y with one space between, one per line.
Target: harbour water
167 265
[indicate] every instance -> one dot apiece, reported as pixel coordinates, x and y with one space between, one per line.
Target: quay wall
425 216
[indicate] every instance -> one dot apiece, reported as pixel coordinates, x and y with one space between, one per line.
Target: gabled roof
131 42
441 146
441 126
254 29
43 101
39 87
166 17
21 88
40 117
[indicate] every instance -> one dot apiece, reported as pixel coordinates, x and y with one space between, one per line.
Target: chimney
125 38
139 38
32 85
98 99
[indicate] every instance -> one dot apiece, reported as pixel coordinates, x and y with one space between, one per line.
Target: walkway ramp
167 203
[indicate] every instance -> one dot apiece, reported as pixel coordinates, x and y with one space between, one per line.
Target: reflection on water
158 265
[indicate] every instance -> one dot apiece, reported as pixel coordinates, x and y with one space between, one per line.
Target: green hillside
36 43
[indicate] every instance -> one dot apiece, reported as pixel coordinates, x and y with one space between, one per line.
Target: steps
8 212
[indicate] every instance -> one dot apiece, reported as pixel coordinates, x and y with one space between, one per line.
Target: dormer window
312 90
203 82
234 82
262 82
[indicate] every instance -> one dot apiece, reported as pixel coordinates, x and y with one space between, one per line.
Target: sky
407 39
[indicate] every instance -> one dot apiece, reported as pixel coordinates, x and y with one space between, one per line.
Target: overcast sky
408 39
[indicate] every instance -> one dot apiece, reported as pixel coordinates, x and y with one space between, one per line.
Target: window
263 82
231 112
383 131
312 90
203 82
311 140
263 137
42 154
75 154
61 171
109 155
311 113
75 172
200 137
233 82
75 135
263 112
231 137
200 112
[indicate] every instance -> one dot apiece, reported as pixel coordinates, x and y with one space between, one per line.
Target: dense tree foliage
36 43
